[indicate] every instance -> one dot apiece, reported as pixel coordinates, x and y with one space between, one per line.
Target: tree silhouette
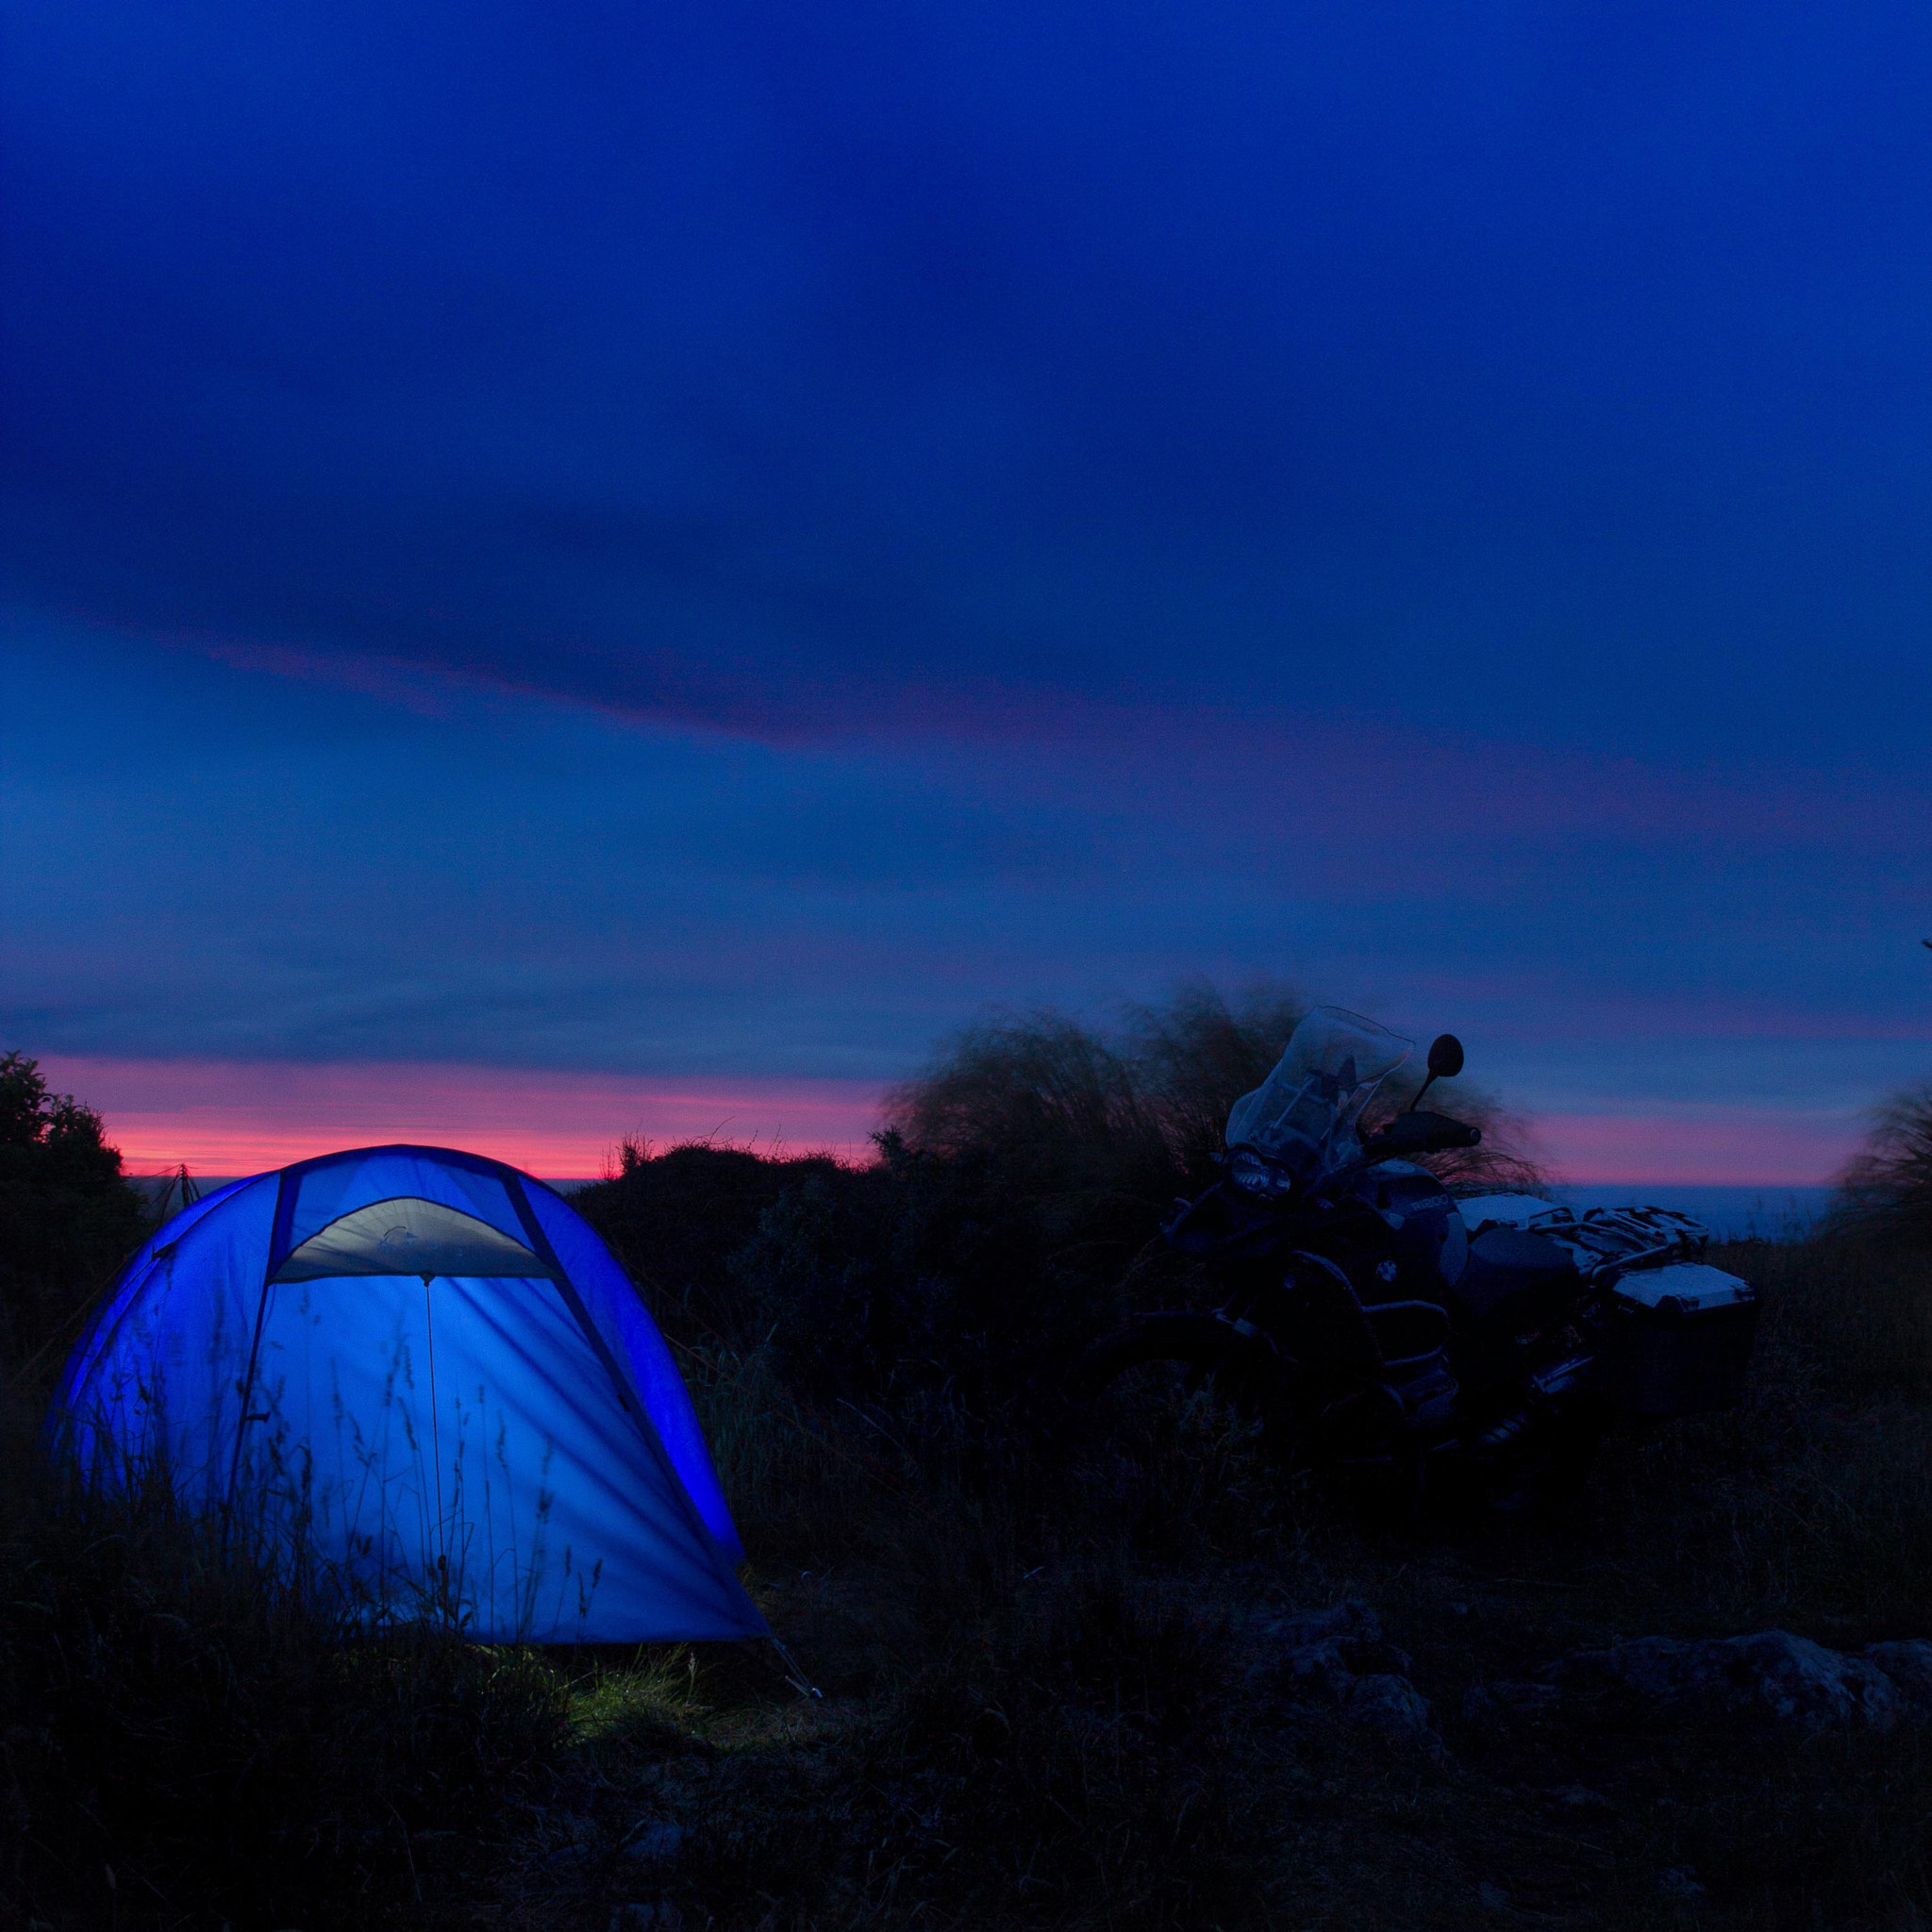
67 1214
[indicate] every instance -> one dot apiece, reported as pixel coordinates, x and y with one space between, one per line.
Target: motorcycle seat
1509 1273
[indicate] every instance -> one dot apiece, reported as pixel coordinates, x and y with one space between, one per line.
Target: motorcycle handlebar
1422 1133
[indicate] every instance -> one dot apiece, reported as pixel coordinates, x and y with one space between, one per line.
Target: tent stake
794 1675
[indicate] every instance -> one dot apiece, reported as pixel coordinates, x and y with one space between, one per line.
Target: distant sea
1730 1213
1737 1214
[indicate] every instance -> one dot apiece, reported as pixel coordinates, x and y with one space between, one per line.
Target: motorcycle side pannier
1679 1339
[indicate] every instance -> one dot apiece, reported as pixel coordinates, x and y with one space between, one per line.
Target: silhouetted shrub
675 1219
1193 1057
924 1268
68 1218
1887 1191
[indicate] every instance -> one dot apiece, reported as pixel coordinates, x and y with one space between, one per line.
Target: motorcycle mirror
1445 1062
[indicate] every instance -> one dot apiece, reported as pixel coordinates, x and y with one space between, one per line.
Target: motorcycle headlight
1256 1175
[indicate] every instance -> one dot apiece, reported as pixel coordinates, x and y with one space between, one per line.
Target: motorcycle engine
1428 1245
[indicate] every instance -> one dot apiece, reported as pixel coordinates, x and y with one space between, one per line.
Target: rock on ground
656 1844
658 1916
1338 1661
1393 1708
1316 1656
1771 1677
1908 1664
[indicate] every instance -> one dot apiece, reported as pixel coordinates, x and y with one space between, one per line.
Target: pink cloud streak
1181 756
228 1117
1708 1146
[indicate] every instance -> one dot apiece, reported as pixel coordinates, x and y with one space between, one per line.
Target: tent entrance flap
407 1235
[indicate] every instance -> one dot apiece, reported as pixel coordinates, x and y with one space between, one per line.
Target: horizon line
244 1117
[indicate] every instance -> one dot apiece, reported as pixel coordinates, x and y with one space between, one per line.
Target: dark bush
68 1218
1887 1191
922 1271
677 1217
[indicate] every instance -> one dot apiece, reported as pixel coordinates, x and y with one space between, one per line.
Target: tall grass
1047 1767
1811 1506
201 1729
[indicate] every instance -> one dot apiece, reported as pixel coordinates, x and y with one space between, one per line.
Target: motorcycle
1372 1325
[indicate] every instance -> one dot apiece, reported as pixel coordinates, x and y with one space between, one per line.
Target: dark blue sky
725 539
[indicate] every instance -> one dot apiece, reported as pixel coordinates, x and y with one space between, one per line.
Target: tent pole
245 1418
435 1453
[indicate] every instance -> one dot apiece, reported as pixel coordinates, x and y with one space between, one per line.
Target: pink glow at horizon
228 1117
1706 1146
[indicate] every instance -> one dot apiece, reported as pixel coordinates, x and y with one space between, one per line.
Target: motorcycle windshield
1303 1116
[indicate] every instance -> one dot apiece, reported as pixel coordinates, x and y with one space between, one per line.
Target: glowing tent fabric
429 1365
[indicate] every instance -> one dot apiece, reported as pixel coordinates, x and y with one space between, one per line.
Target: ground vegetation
1051 1665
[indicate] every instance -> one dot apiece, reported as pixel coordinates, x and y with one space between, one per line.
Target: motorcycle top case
1679 1339
1479 1211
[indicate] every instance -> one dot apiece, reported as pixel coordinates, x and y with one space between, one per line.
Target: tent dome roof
427 1365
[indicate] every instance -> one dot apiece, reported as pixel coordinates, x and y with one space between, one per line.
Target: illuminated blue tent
426 1365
